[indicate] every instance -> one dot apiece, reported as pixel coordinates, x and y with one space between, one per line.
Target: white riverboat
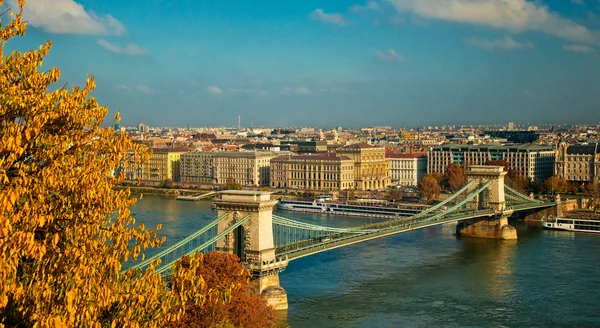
379 210
572 224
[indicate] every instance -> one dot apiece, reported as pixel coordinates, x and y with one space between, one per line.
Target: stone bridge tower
496 225
253 241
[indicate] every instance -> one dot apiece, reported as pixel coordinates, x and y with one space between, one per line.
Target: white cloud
68 17
214 90
333 18
529 94
506 43
130 49
249 91
578 2
144 89
389 55
580 48
370 5
123 87
302 91
513 15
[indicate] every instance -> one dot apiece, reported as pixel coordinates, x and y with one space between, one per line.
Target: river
425 278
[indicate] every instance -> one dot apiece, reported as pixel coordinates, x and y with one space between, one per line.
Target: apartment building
530 161
407 169
578 163
198 167
371 167
313 172
163 165
250 168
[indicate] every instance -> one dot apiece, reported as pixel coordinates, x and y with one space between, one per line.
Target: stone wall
152 191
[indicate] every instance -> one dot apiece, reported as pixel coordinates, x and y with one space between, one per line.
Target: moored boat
572 224
379 210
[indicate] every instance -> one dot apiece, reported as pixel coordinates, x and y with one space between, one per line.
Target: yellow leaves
54 203
70 297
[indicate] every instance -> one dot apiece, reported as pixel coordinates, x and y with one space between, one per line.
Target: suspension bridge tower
253 241
496 225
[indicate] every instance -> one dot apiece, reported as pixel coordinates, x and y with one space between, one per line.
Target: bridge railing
167 251
167 266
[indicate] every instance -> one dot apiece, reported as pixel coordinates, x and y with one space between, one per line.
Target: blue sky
328 63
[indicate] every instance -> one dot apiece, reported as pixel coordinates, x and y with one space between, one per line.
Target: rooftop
360 146
314 157
413 155
589 149
495 147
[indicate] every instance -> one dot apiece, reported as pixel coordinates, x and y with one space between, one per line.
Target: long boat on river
365 208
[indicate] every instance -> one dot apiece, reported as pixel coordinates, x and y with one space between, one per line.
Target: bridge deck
310 247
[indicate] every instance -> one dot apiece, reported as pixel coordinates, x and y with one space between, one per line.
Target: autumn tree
429 187
64 230
555 184
225 273
593 190
231 184
455 178
512 178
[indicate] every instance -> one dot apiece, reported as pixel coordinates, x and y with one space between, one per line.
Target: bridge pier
253 241
493 228
496 226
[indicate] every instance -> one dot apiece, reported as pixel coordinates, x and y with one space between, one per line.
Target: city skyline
328 63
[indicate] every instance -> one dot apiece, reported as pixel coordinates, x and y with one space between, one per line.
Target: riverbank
166 192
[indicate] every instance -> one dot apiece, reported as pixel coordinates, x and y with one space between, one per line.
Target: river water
426 278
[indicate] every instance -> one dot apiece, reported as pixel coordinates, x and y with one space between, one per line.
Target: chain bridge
266 242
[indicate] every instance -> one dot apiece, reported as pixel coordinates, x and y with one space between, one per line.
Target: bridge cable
181 242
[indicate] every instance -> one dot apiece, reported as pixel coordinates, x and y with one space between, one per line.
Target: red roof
360 145
413 155
171 150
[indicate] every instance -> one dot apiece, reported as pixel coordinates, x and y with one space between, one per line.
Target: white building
407 169
250 168
530 161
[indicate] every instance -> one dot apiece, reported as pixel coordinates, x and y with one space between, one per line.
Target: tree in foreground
64 230
429 187
224 273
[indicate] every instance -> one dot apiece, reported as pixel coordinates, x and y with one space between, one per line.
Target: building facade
407 169
164 164
198 167
313 172
578 163
250 168
530 161
371 167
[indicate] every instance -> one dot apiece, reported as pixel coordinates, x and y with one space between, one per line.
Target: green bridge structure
266 243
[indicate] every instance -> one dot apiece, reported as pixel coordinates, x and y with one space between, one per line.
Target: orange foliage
223 273
429 187
455 177
64 230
